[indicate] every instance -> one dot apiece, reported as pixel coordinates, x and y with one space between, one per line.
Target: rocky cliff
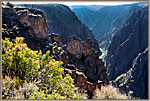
131 40
28 23
28 18
62 21
105 21
136 78
79 63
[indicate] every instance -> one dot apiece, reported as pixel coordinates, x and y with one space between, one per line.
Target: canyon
105 21
74 35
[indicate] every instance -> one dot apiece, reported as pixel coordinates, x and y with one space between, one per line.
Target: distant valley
105 21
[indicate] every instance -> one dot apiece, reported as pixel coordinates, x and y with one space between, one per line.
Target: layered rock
83 84
28 19
79 48
86 59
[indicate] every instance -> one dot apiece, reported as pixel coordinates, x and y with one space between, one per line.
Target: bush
18 60
109 92
24 64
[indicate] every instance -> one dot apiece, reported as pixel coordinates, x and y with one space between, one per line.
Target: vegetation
109 92
22 65
120 78
18 60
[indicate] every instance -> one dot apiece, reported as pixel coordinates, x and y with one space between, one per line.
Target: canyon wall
131 40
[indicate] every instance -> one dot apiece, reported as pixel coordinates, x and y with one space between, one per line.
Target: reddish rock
37 23
55 37
64 58
75 46
81 79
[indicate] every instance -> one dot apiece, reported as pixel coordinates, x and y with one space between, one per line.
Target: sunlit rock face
92 66
36 23
80 48
38 26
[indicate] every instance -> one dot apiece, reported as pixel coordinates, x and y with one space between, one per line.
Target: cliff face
105 21
136 78
29 19
63 21
36 23
78 56
131 40
28 23
87 60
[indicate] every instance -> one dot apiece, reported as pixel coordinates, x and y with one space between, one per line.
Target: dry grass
11 90
82 95
109 92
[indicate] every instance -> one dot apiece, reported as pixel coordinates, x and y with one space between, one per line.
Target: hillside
123 52
105 21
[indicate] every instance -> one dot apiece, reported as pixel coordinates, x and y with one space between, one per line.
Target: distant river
103 52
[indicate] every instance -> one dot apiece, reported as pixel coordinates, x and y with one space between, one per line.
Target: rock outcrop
28 19
83 84
62 21
87 70
79 48
28 23
86 59
35 22
131 40
83 64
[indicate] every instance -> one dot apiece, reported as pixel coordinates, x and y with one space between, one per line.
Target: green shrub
18 60
25 64
55 84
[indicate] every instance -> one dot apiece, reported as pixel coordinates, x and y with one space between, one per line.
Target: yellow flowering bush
21 62
18 60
